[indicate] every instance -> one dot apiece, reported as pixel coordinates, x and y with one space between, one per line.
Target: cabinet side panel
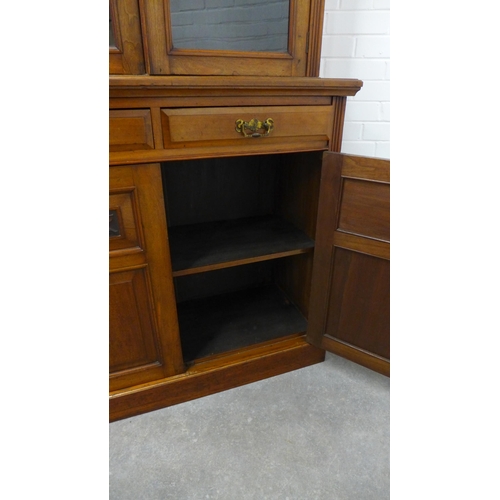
297 201
298 190
293 276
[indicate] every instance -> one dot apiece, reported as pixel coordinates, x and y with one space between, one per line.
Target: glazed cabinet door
144 340
126 56
349 308
234 37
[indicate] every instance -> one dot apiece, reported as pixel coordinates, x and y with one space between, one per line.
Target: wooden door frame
303 59
127 57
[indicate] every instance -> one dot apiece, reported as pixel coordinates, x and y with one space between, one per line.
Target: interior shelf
214 245
234 320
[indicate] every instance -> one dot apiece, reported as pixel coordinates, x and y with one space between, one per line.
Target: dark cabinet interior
241 233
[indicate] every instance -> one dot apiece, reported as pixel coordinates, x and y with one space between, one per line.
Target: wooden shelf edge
213 245
239 262
215 376
119 158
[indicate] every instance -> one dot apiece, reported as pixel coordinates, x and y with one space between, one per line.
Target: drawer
130 130
202 127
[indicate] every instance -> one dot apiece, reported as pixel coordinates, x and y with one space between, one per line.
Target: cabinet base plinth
215 375
357 355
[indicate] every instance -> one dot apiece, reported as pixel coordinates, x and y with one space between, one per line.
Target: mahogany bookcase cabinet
242 244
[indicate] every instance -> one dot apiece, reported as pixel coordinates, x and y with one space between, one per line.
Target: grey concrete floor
321 432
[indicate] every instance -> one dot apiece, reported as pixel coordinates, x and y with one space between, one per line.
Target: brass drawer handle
254 126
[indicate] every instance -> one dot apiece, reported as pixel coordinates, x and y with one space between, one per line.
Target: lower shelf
231 321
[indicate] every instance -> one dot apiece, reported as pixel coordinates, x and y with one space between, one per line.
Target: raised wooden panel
132 333
217 126
359 301
123 231
365 209
134 352
130 130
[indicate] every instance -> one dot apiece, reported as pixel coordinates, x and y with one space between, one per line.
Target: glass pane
112 42
114 224
242 25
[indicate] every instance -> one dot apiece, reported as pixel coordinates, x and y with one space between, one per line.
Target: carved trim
338 124
315 36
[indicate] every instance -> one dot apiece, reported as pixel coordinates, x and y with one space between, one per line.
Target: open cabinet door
349 309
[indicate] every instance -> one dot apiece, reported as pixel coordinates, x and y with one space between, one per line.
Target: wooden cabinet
241 244
254 241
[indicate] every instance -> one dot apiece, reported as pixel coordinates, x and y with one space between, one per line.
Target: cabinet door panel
350 303
215 38
134 350
359 301
125 43
144 343
365 209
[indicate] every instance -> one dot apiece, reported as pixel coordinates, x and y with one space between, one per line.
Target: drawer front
130 130
202 127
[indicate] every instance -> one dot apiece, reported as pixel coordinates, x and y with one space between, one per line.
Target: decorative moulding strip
176 85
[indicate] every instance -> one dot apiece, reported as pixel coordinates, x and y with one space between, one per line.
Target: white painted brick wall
356 44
